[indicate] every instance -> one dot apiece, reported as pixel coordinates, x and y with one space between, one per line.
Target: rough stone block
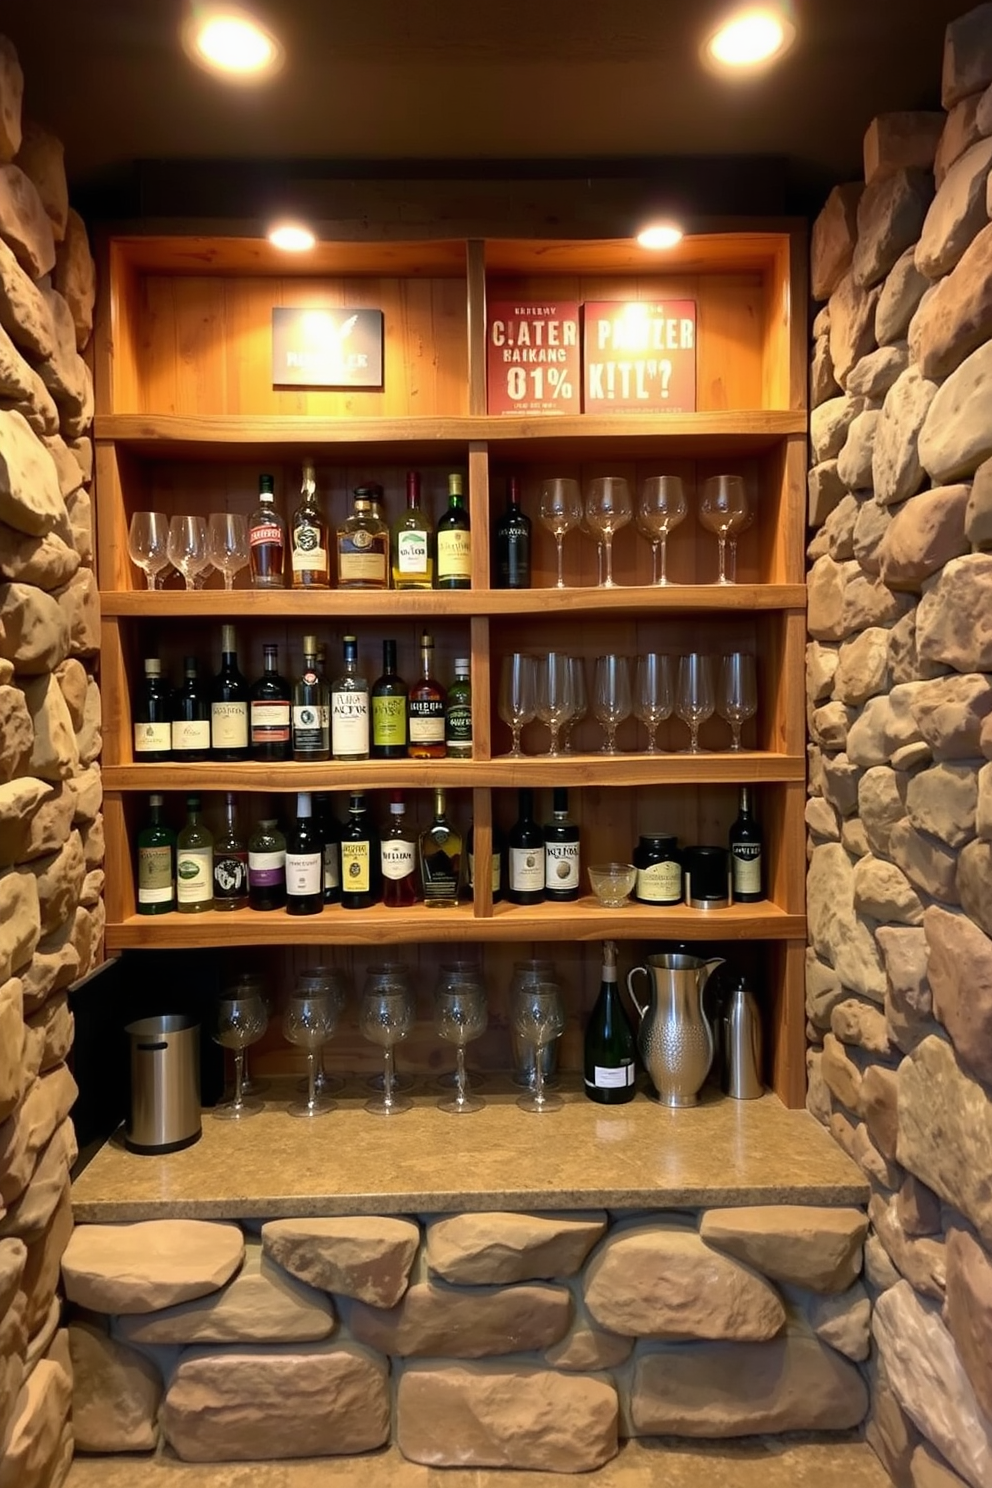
842 1073
822 820
961 130
827 588
79 509
496 1248
974 882
863 667
901 294
943 800
29 1216
855 457
897 141
116 1393
43 1108
75 280
926 533
957 432
921 1262
20 919
30 497
805 1245
24 222
47 562
968 1310
41 1274
54 751
908 1003
829 424
822 383
918 1208
142 1267
927 1469
837 934
861 1024
20 802
957 213
368 1258
891 214
826 490
586 1348
897 465
957 317
945 1128
950 712
42 159
852 324
437 1320
24 313
87 787
34 634
54 964
11 97
967 65
13 1347
869 529
843 1320
34 1444
11 1045
833 238
59 879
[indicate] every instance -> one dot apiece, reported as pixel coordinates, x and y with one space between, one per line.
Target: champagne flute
309 1021
386 1017
612 701
661 507
188 548
148 544
580 701
554 694
538 1019
227 544
694 703
738 693
239 1022
459 1017
517 695
560 512
724 509
608 509
653 694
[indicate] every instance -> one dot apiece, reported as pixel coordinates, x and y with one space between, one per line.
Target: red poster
532 357
639 356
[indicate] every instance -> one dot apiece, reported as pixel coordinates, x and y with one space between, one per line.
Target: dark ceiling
463 80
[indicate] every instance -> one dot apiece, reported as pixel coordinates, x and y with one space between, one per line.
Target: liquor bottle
190 717
350 709
361 857
561 852
399 857
389 705
194 863
156 863
152 722
330 837
497 851
458 713
745 854
266 540
363 545
267 866
513 542
311 719
609 1044
413 541
310 557
304 862
229 705
427 701
440 859
269 712
526 854
230 861
453 541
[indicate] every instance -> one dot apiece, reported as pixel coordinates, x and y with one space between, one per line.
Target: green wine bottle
609 1041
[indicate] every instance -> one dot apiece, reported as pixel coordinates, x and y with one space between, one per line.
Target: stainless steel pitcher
675 1038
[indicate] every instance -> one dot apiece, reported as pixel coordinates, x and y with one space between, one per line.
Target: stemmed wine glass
560 511
538 1019
227 544
554 694
252 984
608 508
612 702
517 695
386 1017
314 980
188 548
531 974
309 1021
653 694
738 693
694 703
724 509
148 544
459 1017
239 1022
580 701
661 507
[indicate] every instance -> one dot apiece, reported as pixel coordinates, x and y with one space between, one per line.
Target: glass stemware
148 544
538 1018
580 701
227 544
312 981
386 1017
238 1022
653 694
554 694
309 1021
694 702
459 1017
608 508
188 548
532 974
611 697
252 984
723 509
738 693
560 511
517 694
662 506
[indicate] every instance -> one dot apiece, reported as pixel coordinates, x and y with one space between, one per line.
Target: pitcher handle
630 988
710 966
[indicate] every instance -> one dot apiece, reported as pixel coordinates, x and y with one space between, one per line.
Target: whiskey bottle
458 713
363 545
361 857
310 558
156 863
561 852
194 863
304 862
413 542
440 859
389 707
350 709
513 543
269 712
453 541
427 702
267 866
190 718
266 540
229 705
152 725
525 854
230 861
311 724
399 857
745 854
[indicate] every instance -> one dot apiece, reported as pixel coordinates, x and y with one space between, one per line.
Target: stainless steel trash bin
165 1084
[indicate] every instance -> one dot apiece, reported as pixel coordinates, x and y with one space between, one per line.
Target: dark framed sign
321 347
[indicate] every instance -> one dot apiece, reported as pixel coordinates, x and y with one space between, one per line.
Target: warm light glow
749 39
232 42
660 235
291 237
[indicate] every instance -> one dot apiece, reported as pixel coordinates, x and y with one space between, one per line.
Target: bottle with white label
304 862
267 866
230 860
190 718
311 718
269 712
194 863
745 854
350 709
229 705
609 1045
659 870
361 857
399 857
525 854
156 863
561 852
413 542
151 717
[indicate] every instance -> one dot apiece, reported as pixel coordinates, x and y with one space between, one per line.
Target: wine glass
611 702
252 984
148 544
554 694
227 544
538 1019
386 1016
469 973
694 702
188 548
738 693
580 701
531 974
653 694
460 1016
392 975
312 981
517 695
661 507
560 511
309 1020
724 509
238 1022
608 508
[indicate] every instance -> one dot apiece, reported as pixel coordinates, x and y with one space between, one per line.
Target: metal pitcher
675 1038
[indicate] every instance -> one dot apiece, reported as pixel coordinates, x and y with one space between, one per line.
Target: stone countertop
584 1156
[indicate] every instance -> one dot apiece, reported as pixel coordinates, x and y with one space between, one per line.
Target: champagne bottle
399 857
561 852
229 705
526 854
389 709
230 861
194 863
609 1045
156 863
453 541
361 857
190 718
513 543
745 854
152 723
304 862
269 712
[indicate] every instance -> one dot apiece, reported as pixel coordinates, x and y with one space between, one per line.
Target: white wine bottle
609 1049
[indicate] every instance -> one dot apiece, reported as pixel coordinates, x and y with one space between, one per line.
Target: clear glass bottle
512 568
304 862
269 712
609 1045
156 862
350 708
413 541
190 717
361 857
229 705
309 536
267 866
427 703
745 854
330 837
525 854
389 709
453 541
440 858
230 860
266 540
363 545
399 857
458 712
561 852
194 863
152 717
311 719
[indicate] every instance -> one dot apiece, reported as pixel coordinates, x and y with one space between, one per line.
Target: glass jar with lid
659 870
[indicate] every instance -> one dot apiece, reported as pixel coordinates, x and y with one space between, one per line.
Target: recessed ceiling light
291 237
750 38
660 235
231 42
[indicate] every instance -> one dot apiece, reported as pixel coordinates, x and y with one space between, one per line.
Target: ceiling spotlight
660 235
231 42
749 39
291 237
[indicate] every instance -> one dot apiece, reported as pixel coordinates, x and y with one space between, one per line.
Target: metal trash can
165 1084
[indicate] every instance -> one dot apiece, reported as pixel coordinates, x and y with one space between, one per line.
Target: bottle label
229 725
194 875
411 553
398 859
332 871
231 876
265 534
190 733
311 728
659 883
155 875
604 1078
269 723
361 568
459 723
389 720
266 869
527 869
309 555
454 553
745 867
561 865
152 738
355 874
349 724
304 873
426 728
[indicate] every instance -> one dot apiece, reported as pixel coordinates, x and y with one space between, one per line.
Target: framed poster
532 357
320 347
639 356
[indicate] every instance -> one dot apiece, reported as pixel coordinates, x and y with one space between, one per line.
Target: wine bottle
389 708
156 863
361 857
304 862
745 854
399 857
230 861
427 703
229 705
526 854
194 863
413 542
310 555
190 718
513 542
311 726
151 715
609 1045
458 713
330 837
266 540
440 858
267 866
453 541
269 712
350 709
561 852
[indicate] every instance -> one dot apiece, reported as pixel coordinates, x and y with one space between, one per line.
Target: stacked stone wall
899 688
51 832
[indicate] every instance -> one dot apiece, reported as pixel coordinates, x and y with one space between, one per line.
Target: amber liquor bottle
427 708
310 557
266 540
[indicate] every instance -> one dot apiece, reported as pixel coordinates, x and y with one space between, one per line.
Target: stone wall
899 984
488 1340
51 835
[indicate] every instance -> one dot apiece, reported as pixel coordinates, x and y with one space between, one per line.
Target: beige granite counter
641 1155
